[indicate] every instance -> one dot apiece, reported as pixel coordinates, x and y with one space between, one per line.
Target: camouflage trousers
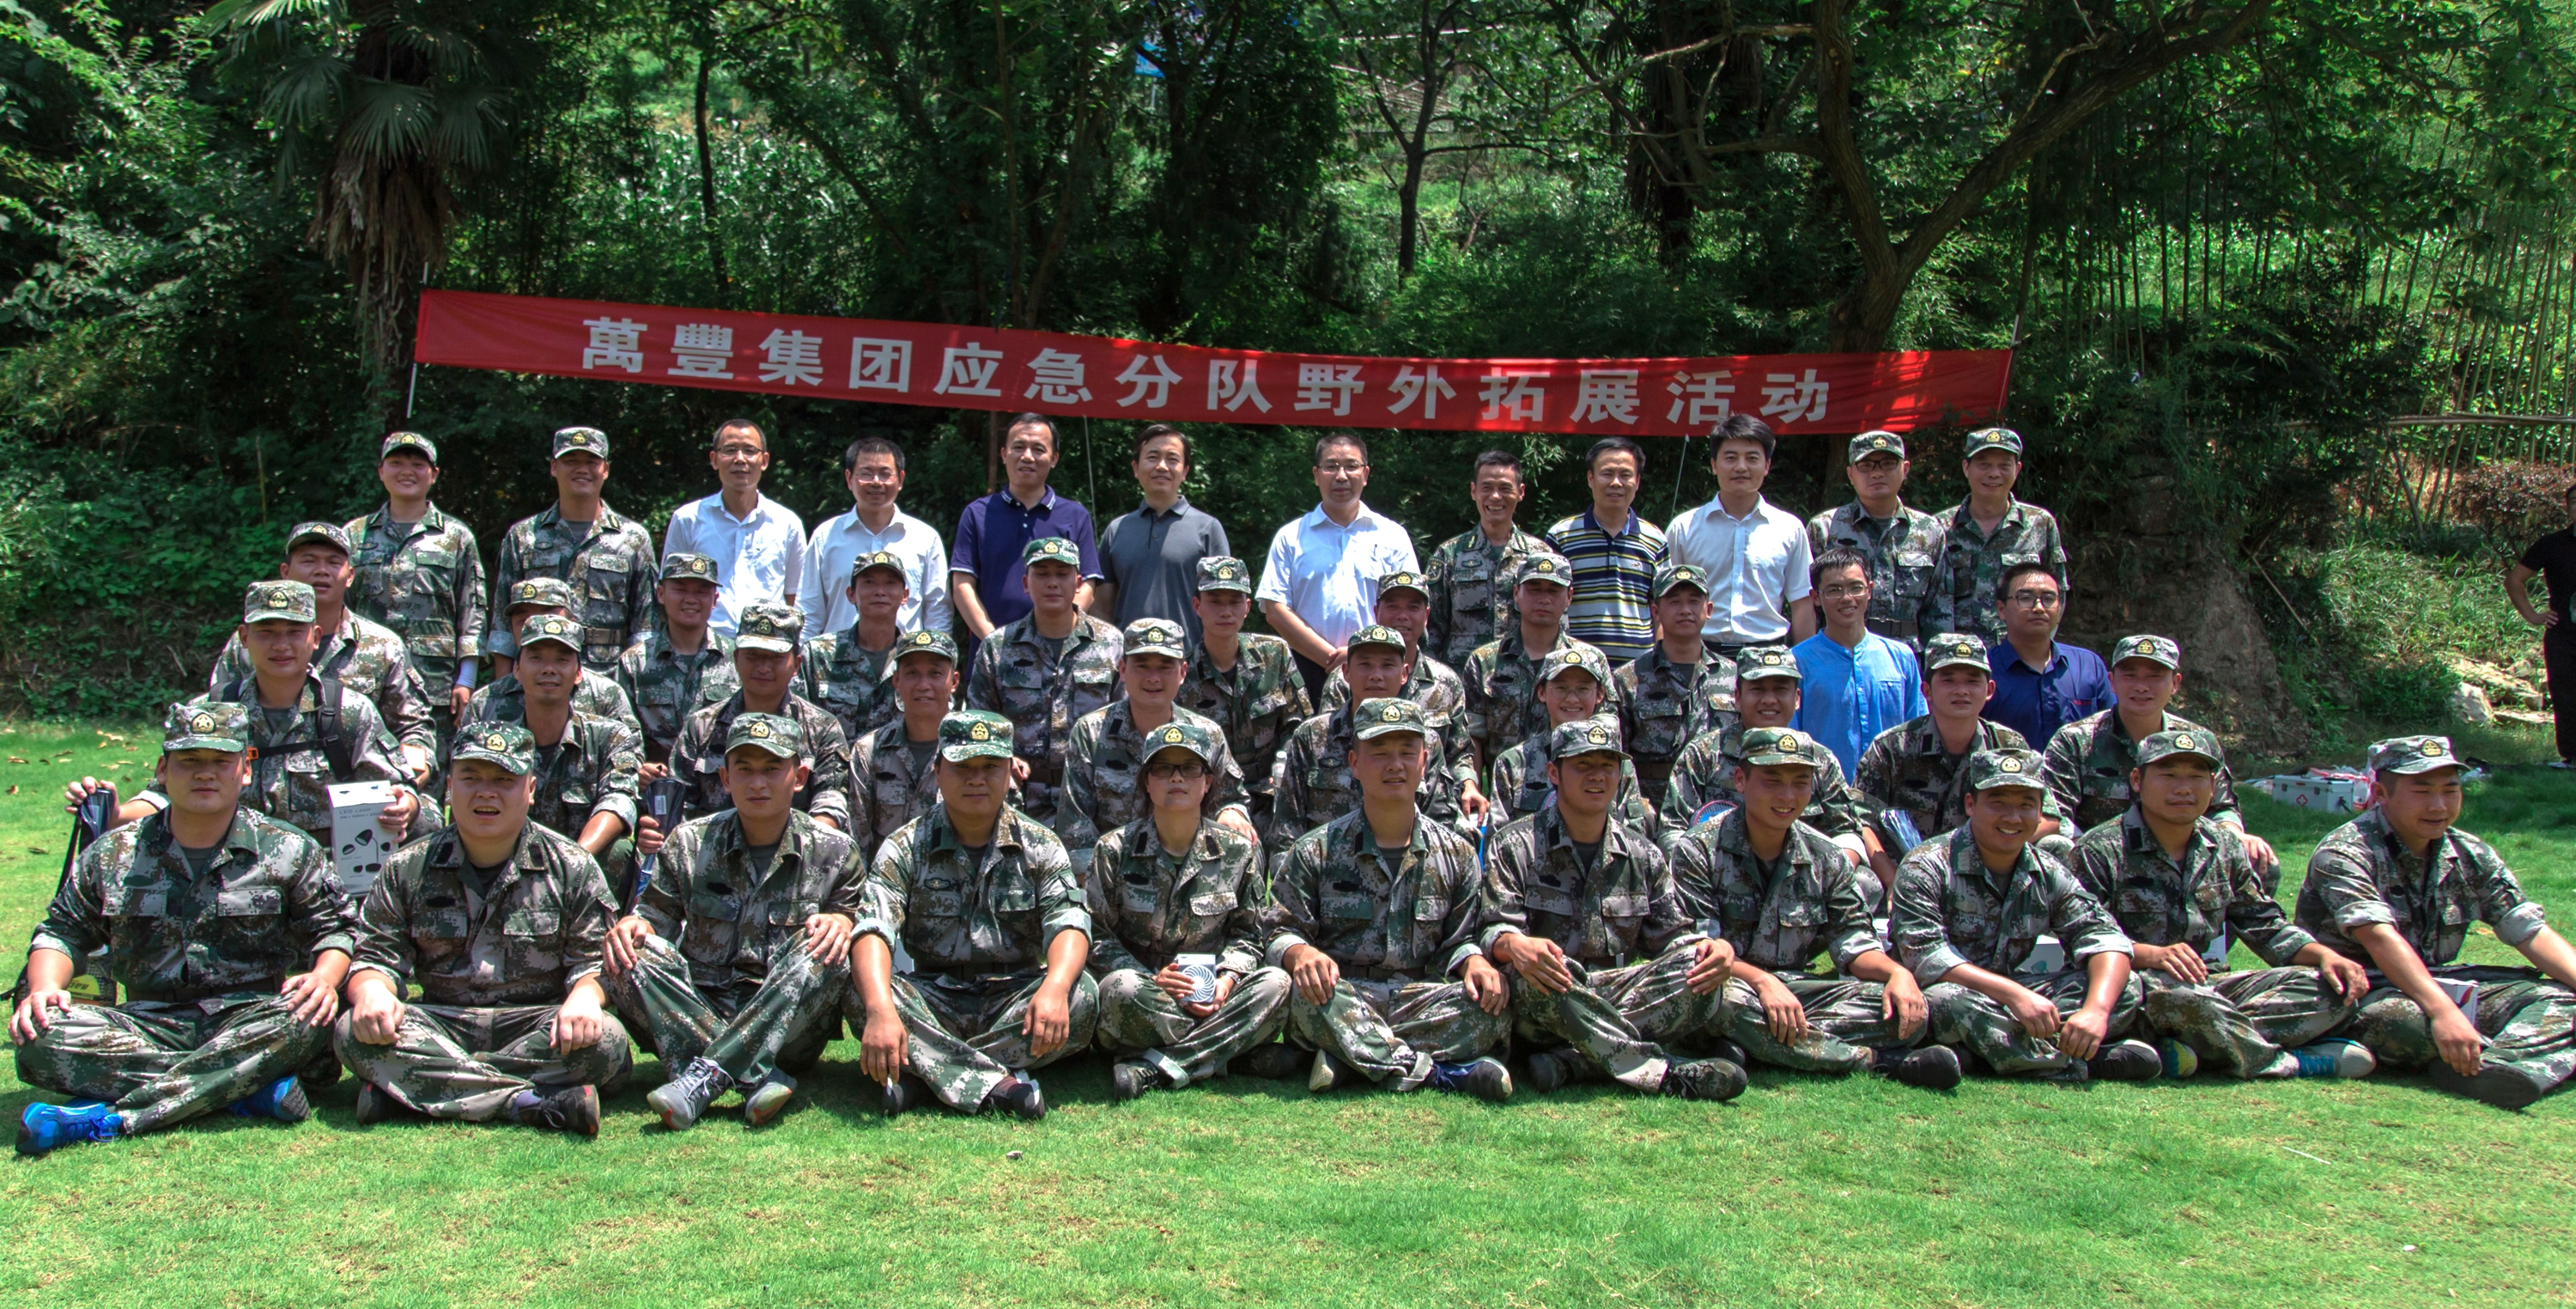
1846 1023
468 1063
1142 1022
750 1028
1396 1027
165 1062
1960 1016
2241 1022
964 1035
1619 1018
2524 1016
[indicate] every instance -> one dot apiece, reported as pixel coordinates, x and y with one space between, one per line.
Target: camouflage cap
408 441
1224 573
1952 650
1053 550
1585 657
509 745
1599 735
2412 754
1157 636
327 533
1765 662
1881 442
1401 580
2195 742
1375 634
1772 747
1177 735
207 725
1672 575
1990 769
776 733
772 627
1993 438
884 559
688 567
1544 566
924 641
580 440
542 592
1376 718
554 628
974 734
2153 649
277 600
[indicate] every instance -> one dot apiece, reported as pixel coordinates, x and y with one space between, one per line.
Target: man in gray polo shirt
1151 555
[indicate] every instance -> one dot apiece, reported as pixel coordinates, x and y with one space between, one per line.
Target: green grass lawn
1805 1191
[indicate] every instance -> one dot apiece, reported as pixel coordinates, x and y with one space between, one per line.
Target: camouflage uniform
2238 1021
1021 675
503 700
1663 705
1779 917
1149 906
1470 582
698 759
1502 692
1257 703
426 586
290 776
200 959
1104 777
854 682
1963 587
1434 686
1520 787
978 940
1905 771
2361 873
662 687
1314 784
725 976
1394 932
1705 775
611 573
1903 554
591 771
1628 941
370 663
1951 910
886 790
493 966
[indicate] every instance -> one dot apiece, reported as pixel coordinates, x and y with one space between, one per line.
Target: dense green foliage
2206 252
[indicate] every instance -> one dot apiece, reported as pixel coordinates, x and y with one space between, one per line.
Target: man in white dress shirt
1755 553
758 544
1320 582
874 468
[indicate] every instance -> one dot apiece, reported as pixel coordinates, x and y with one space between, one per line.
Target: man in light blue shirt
1857 683
758 544
1319 584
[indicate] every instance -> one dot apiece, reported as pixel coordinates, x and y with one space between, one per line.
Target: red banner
954 367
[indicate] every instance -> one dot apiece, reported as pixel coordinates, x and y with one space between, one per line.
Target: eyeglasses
1184 771
2038 599
874 475
1341 469
1846 591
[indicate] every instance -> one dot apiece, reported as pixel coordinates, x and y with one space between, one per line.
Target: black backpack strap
329 733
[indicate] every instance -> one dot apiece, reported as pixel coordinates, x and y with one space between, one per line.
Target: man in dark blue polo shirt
2040 685
984 570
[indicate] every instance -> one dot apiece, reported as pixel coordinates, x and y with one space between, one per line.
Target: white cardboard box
2335 794
358 850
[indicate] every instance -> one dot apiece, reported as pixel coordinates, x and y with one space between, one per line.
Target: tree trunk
707 192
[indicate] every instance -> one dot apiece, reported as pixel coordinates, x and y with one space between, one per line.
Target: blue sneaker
282 1100
1485 1079
2335 1058
45 1128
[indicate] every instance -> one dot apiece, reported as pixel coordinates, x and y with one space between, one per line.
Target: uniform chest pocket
790 915
1213 904
1805 914
938 897
2453 912
2213 896
437 922
434 559
250 902
2135 903
1348 904
715 907
534 920
576 797
1560 901
134 902
1091 679
1138 897
1013 896
1430 910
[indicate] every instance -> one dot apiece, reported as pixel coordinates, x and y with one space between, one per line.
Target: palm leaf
386 122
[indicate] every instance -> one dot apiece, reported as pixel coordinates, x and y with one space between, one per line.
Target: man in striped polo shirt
1615 554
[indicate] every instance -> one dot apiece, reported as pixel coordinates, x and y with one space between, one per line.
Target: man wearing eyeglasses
874 469
2040 684
758 544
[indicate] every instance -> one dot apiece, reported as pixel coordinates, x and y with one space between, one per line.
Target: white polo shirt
1327 573
836 547
758 559
1756 564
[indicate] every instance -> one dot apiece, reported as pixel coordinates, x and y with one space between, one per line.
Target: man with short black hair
1244 682
1856 683
1404 603
420 573
606 559
1986 534
2091 760
2041 684
1615 553
1319 582
1902 546
1679 688
988 558
845 671
1149 556
1045 671
1469 578
679 667
1315 784
1916 773
363 656
765 657
894 770
758 544
874 468
1754 552
1502 676
2553 559
503 700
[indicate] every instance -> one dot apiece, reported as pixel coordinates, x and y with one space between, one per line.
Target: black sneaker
2126 1061
905 1092
1549 1070
573 1110
1275 1060
1703 1079
684 1099
1932 1067
1128 1081
2495 1084
1018 1095
376 1105
1730 1052
1485 1079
